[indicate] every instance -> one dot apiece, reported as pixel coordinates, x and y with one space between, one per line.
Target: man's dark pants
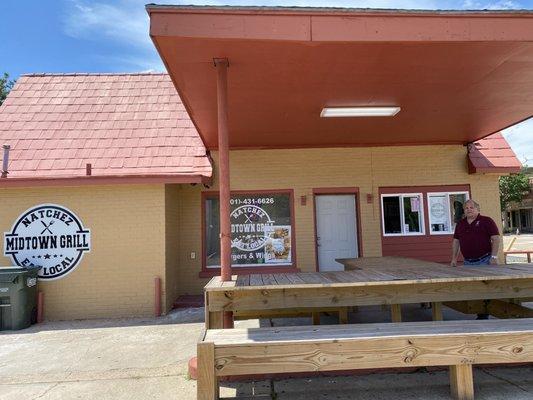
482 261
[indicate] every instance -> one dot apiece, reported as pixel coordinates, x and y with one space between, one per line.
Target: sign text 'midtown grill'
49 236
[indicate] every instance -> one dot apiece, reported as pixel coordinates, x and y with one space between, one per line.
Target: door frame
332 191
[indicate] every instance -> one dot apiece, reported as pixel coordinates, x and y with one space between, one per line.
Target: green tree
5 86
513 188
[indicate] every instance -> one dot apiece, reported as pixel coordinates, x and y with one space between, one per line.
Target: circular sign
438 210
248 227
48 236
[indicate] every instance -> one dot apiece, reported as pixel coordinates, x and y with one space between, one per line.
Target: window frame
422 221
447 194
214 270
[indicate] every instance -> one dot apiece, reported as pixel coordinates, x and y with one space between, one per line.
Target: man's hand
455 252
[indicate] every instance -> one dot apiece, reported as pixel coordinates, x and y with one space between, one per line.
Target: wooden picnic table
371 281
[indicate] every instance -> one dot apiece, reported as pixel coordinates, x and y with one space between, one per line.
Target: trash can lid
11 269
9 274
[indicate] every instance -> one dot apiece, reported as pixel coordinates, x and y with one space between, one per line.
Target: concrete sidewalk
101 359
147 359
523 241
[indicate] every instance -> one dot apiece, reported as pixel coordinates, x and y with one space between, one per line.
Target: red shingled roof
124 125
130 128
492 154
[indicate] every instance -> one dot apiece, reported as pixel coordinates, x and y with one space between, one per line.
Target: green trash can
18 297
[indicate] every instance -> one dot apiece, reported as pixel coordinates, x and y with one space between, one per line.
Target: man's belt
477 259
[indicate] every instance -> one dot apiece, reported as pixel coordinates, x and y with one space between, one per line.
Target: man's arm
495 247
455 252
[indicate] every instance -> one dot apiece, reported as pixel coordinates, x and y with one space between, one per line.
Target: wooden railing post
462 382
207 384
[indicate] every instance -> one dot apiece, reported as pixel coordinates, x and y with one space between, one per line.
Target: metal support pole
223 178
221 65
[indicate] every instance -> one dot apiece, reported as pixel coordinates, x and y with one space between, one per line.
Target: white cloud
125 24
494 5
520 137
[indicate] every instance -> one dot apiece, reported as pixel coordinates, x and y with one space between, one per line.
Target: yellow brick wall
172 225
305 169
116 279
142 231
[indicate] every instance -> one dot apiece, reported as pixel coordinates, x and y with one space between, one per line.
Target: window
261 229
402 214
445 211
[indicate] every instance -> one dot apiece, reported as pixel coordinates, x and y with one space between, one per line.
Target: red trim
40 307
157 295
340 145
323 11
418 189
418 246
497 170
424 189
359 229
339 191
103 180
472 169
210 272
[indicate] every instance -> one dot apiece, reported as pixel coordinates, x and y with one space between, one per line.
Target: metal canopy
457 76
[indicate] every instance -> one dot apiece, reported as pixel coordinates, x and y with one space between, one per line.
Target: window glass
391 214
445 211
402 214
411 213
457 202
261 230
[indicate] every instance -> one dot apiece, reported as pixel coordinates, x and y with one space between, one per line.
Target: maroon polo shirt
474 238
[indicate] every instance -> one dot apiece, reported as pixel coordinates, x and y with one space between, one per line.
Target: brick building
518 217
137 165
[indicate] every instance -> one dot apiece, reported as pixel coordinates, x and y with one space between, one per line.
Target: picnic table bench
456 344
372 281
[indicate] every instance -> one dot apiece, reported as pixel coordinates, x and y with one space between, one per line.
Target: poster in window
415 204
277 244
258 222
438 211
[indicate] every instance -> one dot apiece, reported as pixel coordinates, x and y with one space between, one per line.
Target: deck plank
268 279
354 331
256 280
243 280
282 279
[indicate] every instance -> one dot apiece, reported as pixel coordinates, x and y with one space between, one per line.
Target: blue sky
112 36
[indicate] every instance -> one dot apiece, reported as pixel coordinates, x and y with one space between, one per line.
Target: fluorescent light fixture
359 112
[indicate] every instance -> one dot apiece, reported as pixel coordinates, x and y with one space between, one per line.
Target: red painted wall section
436 248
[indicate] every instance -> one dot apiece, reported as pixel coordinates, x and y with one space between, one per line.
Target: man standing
478 239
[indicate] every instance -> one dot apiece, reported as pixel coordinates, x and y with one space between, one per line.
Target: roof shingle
492 154
122 124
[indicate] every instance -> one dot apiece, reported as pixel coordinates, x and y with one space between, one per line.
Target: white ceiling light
359 112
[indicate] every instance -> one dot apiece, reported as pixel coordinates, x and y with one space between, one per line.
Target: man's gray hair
475 203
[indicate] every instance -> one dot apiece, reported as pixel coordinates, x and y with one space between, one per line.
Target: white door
335 230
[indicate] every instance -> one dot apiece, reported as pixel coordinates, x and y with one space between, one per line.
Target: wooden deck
367 281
